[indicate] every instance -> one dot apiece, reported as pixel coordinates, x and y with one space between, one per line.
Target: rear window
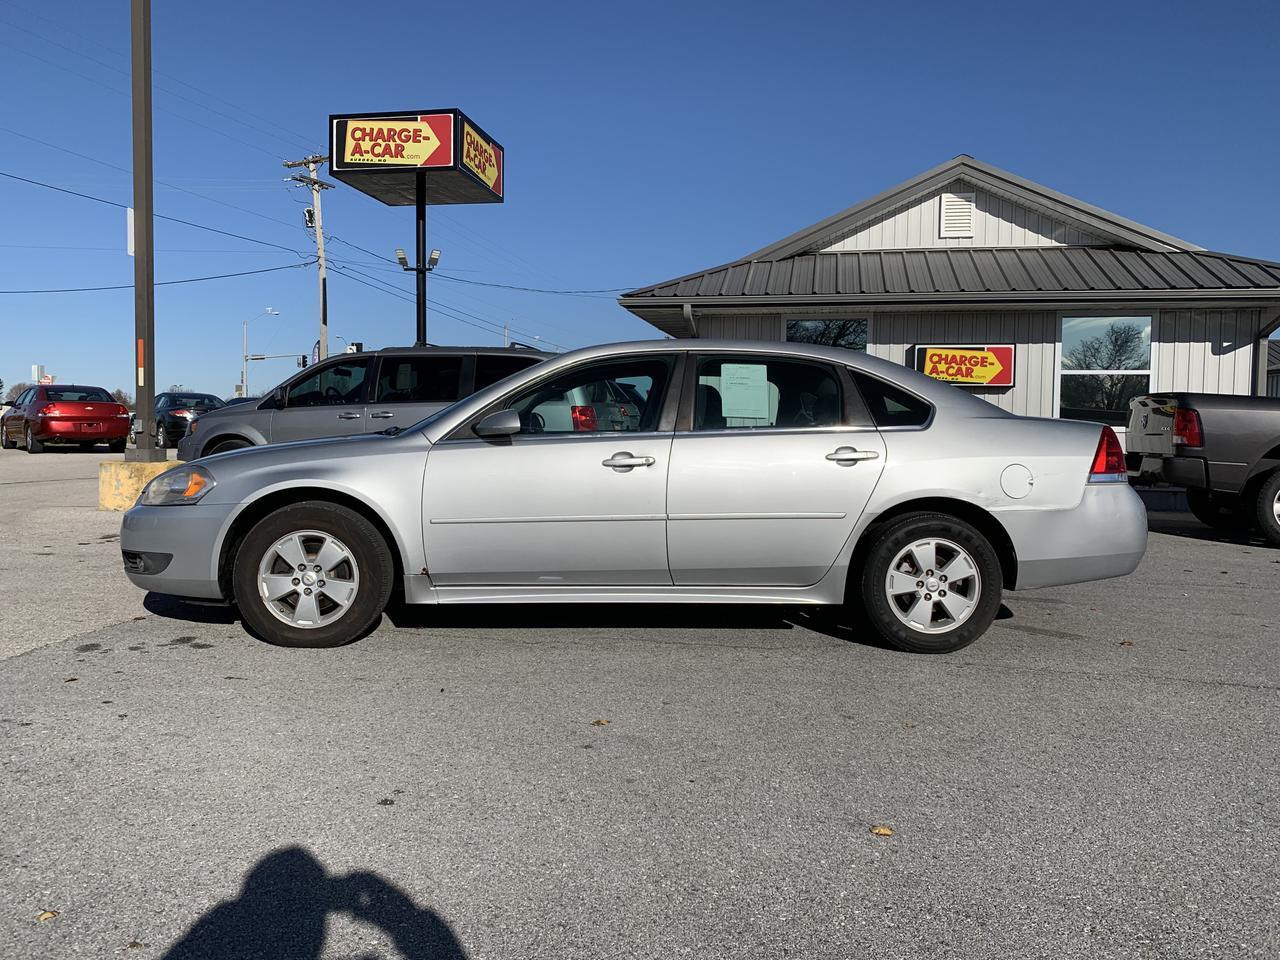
196 399
891 406
77 394
419 380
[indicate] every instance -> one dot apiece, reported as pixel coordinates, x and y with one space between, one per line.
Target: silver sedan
692 471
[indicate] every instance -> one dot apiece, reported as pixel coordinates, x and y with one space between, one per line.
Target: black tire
33 445
889 541
5 442
1268 508
117 446
223 446
1222 511
368 547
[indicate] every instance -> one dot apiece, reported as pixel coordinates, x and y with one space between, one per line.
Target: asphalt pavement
1094 778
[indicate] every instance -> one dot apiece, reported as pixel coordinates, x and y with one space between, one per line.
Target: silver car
748 473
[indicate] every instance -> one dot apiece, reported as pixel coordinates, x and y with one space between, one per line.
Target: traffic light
302 362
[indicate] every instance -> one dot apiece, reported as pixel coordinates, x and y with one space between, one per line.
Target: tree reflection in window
850 334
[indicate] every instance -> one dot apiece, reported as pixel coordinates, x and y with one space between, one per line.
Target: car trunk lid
1150 430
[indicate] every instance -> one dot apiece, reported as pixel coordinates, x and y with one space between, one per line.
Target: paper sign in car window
744 391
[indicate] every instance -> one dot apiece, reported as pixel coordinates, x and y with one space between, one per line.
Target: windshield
195 400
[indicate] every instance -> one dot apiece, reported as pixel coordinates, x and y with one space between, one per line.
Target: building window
850 334
1106 362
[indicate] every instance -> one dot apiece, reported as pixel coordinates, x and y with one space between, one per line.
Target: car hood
310 451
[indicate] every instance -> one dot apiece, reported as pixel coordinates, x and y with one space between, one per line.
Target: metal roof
960 274
1273 354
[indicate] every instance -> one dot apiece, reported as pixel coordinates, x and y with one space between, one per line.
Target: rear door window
336 385
490 368
419 380
891 406
752 393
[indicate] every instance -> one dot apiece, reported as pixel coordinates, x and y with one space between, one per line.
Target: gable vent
956 217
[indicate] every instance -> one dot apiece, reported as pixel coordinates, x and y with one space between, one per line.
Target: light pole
244 353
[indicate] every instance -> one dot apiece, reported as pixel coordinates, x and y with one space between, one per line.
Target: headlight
184 485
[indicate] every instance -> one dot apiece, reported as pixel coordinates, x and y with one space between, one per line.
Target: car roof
434 349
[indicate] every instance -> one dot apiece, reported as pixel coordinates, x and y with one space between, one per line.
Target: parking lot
1094 778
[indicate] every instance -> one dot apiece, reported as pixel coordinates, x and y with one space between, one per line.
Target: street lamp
244 353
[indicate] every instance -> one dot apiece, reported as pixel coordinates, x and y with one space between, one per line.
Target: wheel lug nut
307 591
302 566
943 578
317 568
942 593
919 583
927 596
296 581
928 573
320 584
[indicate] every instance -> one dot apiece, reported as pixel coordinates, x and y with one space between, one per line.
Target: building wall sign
984 366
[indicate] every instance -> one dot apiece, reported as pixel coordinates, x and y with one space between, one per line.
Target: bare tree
14 391
1119 347
125 399
851 334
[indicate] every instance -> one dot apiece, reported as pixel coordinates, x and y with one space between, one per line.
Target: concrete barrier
120 482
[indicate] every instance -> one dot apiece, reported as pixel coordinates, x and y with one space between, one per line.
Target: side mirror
277 398
500 423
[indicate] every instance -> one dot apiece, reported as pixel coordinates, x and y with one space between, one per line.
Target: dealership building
1041 303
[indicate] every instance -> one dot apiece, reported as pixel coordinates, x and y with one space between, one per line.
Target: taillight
49 410
1187 430
122 410
183 413
584 419
1108 460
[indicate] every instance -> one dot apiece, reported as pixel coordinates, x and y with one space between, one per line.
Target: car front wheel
931 583
313 574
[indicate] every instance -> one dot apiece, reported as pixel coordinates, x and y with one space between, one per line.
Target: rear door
411 387
773 462
328 402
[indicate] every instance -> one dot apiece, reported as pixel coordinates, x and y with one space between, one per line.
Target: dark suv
356 393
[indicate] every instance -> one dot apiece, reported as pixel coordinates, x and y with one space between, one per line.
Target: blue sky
643 141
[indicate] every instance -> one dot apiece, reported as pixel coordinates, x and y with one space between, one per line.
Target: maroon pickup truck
1225 450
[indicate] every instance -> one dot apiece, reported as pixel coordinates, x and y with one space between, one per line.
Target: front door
328 402
578 497
769 473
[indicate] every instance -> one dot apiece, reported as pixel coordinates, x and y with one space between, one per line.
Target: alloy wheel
933 585
308 579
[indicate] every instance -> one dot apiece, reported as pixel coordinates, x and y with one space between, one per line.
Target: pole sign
384 154
987 366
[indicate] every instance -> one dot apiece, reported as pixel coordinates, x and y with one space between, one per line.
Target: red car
60 413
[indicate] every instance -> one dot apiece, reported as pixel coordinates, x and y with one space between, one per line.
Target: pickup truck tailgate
1150 430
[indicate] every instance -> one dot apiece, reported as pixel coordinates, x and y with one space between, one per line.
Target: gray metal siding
1205 351
1034 334
998 222
1273 385
744 327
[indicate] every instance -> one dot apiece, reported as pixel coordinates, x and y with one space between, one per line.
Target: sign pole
420 203
144 298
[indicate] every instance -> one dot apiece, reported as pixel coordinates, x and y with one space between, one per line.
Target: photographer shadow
283 909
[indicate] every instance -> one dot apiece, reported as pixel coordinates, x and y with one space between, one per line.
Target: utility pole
144 294
312 163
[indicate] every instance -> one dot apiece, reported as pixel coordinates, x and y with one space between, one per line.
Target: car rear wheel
162 440
1222 511
313 574
33 445
931 583
1268 508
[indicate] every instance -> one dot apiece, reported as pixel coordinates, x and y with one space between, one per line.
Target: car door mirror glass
500 423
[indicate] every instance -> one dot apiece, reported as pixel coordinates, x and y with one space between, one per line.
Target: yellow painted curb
120 482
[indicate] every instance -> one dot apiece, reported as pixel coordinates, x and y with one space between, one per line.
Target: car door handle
381 415
850 455
625 461
348 416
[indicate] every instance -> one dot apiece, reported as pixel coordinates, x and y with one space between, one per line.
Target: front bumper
189 535
1104 536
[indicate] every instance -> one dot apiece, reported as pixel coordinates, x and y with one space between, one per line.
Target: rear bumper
1105 536
189 447
188 535
76 431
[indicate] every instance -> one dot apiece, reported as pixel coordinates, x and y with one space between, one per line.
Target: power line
166 283
508 286
159 216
